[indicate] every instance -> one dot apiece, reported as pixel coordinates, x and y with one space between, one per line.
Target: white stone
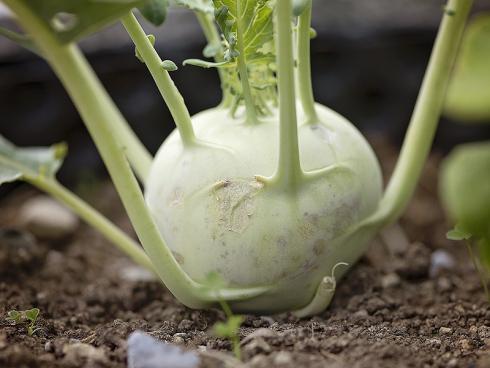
45 218
439 260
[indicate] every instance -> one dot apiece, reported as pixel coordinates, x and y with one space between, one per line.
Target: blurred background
368 62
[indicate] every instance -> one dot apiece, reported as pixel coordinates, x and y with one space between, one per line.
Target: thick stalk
165 84
305 87
243 71
289 168
213 38
423 123
95 219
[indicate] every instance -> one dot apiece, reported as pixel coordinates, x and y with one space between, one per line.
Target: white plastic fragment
145 351
439 260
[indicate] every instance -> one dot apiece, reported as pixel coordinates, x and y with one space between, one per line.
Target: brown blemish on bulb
235 203
179 258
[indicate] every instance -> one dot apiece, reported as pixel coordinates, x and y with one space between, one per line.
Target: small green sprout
28 316
230 328
459 233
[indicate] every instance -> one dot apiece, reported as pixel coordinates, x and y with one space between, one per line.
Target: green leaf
19 163
465 187
155 11
458 233
206 64
169 65
32 314
14 316
228 329
468 95
203 6
255 21
74 19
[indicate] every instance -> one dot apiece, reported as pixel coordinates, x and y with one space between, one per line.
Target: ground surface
388 311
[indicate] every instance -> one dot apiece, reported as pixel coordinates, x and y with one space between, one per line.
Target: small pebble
282 358
145 351
445 331
134 273
440 260
452 363
390 280
47 219
465 344
78 352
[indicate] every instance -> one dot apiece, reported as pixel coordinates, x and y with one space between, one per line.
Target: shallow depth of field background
368 62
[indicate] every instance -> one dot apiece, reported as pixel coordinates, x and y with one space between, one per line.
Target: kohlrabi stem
305 87
243 71
213 38
165 84
289 167
426 114
94 218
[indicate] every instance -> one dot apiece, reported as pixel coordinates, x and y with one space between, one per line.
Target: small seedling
28 317
458 233
231 327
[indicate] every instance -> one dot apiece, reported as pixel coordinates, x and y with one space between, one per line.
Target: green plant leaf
74 19
169 65
32 314
155 11
18 163
14 316
207 64
228 329
468 95
255 19
465 187
458 233
204 6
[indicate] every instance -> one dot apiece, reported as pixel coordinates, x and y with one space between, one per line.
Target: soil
389 311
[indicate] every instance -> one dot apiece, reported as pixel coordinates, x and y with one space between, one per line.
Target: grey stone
145 351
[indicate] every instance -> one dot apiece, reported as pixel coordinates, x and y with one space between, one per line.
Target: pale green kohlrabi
276 194
224 206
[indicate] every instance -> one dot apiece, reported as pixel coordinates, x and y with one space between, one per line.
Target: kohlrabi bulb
217 215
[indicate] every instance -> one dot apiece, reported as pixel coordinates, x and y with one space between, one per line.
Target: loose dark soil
387 312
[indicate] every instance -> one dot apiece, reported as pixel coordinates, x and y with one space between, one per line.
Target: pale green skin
217 217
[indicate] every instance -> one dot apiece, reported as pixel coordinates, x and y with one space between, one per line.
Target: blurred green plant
465 173
468 95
